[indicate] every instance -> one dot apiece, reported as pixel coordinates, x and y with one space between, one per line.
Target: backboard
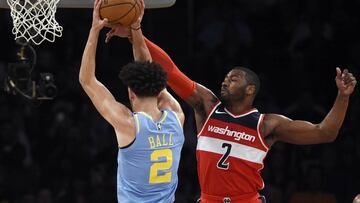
90 3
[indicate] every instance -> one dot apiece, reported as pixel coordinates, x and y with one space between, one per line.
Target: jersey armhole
127 146
260 134
137 130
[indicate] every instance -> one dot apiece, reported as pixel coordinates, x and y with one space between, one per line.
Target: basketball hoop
34 20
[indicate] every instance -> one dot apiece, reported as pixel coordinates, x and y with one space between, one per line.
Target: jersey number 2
159 166
221 163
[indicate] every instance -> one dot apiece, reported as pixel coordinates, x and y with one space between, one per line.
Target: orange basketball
123 12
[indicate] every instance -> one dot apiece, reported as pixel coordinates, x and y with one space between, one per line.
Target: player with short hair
233 136
151 137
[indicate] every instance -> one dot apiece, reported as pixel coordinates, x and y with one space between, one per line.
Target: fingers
98 4
142 4
346 77
351 80
105 22
338 72
96 11
109 35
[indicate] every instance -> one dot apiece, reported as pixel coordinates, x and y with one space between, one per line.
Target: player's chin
223 93
224 97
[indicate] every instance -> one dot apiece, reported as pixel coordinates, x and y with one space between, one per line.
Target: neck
237 107
148 105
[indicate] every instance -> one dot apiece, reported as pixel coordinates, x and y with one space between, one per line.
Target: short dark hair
145 79
251 77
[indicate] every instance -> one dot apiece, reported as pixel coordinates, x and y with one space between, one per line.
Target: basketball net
34 20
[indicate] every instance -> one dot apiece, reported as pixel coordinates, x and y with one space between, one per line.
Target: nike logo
219 112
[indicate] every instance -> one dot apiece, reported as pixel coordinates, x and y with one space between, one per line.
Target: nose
224 83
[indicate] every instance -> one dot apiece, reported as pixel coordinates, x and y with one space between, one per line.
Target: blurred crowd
62 150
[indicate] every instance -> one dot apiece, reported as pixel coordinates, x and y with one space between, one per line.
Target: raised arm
140 50
141 53
303 132
115 113
198 96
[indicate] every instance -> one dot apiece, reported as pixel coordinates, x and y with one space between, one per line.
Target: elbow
326 134
330 136
83 79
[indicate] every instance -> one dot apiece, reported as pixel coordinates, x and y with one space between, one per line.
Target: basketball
123 12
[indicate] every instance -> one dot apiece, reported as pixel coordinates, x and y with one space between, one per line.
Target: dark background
63 151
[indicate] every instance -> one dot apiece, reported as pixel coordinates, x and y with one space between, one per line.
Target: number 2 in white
154 178
221 163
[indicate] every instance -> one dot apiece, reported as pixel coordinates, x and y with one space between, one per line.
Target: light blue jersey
147 169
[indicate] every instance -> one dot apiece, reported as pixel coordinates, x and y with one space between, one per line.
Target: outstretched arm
198 96
141 53
303 132
140 50
115 113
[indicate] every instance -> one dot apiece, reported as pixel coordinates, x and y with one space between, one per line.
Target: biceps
299 132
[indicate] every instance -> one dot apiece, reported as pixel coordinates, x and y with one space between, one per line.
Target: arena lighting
19 79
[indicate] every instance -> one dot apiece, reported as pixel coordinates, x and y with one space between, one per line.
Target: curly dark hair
145 79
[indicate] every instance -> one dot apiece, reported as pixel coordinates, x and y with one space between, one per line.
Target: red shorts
247 198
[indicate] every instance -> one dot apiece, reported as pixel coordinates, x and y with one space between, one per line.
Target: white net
34 20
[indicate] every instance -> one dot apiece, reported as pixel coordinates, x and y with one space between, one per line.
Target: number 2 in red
221 163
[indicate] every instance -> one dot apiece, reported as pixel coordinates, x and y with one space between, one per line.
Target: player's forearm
160 56
87 69
178 81
333 121
140 50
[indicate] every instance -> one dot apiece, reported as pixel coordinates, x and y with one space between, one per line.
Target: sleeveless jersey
230 153
147 168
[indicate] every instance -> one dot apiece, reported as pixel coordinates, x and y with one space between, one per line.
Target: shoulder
272 121
174 117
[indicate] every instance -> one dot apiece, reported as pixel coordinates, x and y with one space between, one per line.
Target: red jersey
230 153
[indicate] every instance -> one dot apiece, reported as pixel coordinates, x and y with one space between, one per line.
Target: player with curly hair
150 137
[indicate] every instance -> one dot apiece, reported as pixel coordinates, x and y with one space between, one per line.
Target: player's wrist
342 96
95 28
135 26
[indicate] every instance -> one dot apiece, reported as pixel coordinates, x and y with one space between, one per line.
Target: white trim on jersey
262 142
212 111
259 131
240 151
241 115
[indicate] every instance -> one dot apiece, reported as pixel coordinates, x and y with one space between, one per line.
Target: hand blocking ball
124 12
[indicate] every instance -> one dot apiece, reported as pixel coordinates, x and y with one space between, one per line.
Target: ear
131 94
250 89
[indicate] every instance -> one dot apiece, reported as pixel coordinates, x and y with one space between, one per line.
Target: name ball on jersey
124 12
